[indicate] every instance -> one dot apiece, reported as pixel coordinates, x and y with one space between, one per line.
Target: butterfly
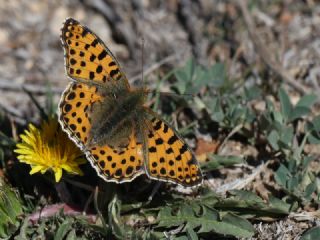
109 122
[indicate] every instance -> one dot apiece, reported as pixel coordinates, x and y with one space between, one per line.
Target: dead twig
264 53
241 183
13 113
32 88
234 131
155 66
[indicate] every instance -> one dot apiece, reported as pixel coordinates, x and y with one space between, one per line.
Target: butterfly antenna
142 48
142 60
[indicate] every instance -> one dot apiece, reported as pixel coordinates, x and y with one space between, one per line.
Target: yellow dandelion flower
49 148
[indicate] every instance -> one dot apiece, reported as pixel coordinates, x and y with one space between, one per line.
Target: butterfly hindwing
87 58
74 108
117 164
168 156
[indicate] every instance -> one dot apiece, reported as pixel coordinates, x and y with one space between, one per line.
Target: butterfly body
114 118
121 137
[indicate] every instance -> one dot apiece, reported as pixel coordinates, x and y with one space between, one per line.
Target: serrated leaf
208 221
166 219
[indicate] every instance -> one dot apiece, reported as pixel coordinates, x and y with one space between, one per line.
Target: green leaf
286 136
311 234
72 235
239 226
310 189
230 224
285 103
313 128
282 175
63 229
247 195
306 160
191 234
217 75
316 123
273 139
279 205
184 76
217 161
208 221
10 209
298 112
166 219
307 101
215 107
293 183
115 222
252 93
181 238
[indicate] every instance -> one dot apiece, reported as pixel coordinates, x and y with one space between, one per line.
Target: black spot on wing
114 72
172 139
102 55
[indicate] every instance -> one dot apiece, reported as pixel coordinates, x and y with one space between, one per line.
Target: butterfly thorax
114 118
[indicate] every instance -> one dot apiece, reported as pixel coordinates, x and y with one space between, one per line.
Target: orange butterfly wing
168 156
90 63
87 59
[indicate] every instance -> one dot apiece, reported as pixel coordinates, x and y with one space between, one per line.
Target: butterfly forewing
87 58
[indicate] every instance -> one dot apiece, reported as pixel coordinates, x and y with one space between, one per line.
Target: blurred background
209 30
